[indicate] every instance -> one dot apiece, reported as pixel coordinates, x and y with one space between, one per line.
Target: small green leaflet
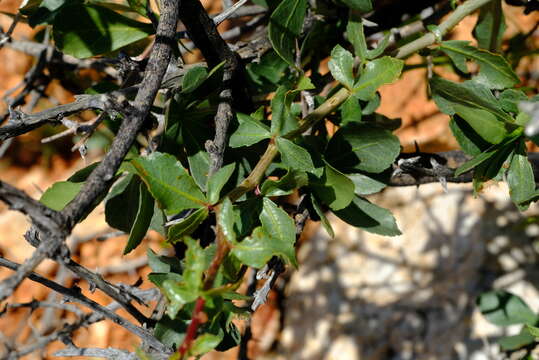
249 132
323 219
169 183
293 179
217 181
285 26
142 220
365 185
187 226
369 217
494 71
334 188
490 26
60 194
350 111
341 66
483 122
85 30
520 176
375 74
294 156
503 308
226 217
193 78
276 237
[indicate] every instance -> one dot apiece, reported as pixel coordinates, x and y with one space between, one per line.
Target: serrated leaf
60 194
367 216
341 66
187 226
169 183
294 156
356 35
375 74
362 147
323 219
503 308
490 26
520 176
84 30
334 188
366 185
193 78
249 132
217 181
363 6
142 220
468 94
494 71
292 180
276 237
285 26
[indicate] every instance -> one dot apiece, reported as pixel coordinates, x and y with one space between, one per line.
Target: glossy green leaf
494 71
363 6
362 147
169 183
376 73
334 188
510 98
520 176
218 180
366 185
84 30
193 78
515 342
367 216
341 66
282 118
170 332
142 220
292 180
356 35
323 219
469 141
469 94
249 132
503 308
490 26
350 111
60 194
187 226
205 343
479 159
294 156
285 26
276 237
226 217
163 264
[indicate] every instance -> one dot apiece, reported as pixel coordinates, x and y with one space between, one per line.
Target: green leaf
163 264
285 26
490 26
60 194
503 308
169 183
516 342
276 237
125 191
323 219
377 73
469 141
294 156
217 181
334 189
139 6
520 176
363 6
356 35
494 71
286 185
350 111
483 122
170 332
366 185
187 226
282 119
534 331
193 78
226 217
84 30
205 343
469 94
479 159
510 98
142 220
362 147
341 66
249 132
367 216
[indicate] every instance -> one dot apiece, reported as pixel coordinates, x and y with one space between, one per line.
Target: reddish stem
196 320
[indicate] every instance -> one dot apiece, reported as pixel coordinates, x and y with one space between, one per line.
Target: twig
34 304
108 353
227 13
75 295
